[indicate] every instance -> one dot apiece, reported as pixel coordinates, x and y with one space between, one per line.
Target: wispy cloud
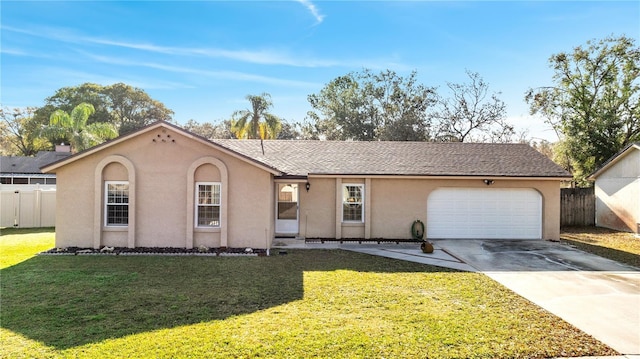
261 57
230 75
313 10
277 57
15 52
48 77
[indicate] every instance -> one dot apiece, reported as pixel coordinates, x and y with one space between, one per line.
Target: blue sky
201 58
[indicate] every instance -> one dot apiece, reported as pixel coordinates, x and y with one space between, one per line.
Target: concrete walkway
403 251
599 296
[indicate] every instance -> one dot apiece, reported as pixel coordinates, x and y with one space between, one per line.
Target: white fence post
27 208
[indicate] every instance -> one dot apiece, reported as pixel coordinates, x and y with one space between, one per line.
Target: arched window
115 198
207 183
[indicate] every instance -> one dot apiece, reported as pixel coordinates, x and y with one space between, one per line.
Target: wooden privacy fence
27 208
577 207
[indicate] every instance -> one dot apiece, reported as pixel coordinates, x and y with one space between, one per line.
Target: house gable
629 162
617 190
160 168
159 132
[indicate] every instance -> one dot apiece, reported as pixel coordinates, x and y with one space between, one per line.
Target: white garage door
484 213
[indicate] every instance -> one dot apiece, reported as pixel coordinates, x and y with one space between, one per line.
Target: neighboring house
27 196
617 190
165 187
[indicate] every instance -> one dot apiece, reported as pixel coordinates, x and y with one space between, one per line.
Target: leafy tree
289 132
209 130
75 128
256 122
471 114
402 111
341 111
307 130
368 106
19 134
543 146
67 98
131 108
126 107
594 104
554 151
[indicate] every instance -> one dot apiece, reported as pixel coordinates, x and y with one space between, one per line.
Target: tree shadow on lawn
605 252
67 301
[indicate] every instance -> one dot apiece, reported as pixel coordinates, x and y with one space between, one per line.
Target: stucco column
338 208
131 234
367 208
551 212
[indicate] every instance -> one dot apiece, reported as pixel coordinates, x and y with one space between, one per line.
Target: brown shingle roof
300 158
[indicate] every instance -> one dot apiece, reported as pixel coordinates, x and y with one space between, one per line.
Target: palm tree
75 129
256 122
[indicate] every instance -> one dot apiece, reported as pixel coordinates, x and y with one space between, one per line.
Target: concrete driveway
599 296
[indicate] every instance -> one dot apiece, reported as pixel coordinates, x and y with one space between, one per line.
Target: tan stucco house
617 190
165 187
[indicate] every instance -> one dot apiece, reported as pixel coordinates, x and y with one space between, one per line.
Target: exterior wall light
307 186
488 182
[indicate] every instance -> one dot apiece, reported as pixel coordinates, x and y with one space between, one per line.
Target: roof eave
613 160
25 174
442 176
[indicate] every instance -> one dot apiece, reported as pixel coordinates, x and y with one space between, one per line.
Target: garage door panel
498 213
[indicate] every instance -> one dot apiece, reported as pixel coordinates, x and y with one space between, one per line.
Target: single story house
617 191
28 196
162 186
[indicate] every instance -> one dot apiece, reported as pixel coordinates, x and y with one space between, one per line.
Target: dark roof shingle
30 165
300 158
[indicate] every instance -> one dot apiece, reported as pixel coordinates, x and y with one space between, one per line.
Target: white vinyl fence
27 207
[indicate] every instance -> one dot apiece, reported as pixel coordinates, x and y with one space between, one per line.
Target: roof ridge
369 142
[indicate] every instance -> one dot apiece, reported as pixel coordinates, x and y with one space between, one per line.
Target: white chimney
63 148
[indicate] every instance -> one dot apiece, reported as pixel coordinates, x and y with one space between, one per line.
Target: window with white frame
207 204
352 203
116 203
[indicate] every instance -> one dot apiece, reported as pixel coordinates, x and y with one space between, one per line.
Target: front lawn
620 246
19 244
313 303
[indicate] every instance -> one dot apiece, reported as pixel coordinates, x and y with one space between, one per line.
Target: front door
287 208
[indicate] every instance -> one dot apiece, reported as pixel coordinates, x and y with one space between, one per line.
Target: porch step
291 237
287 241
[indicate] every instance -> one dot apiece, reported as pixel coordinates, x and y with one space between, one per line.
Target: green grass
314 303
619 246
17 245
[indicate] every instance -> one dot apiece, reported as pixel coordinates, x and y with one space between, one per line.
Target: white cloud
260 56
230 75
48 77
313 10
14 52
